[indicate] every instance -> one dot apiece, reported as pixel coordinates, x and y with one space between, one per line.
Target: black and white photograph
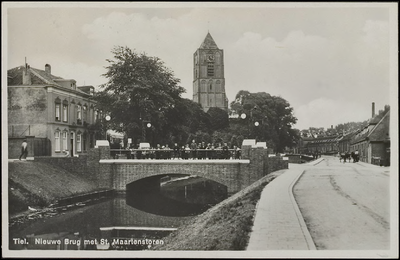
200 129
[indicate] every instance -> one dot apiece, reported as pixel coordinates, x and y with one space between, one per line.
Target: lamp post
108 118
144 125
244 116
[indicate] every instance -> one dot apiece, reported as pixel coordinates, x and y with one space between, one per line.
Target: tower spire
208 42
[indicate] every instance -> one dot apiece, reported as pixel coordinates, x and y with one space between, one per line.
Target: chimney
373 109
47 69
26 75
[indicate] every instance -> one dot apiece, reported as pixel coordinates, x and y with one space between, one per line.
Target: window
210 86
65 142
65 112
79 112
95 116
58 112
57 141
79 142
210 70
203 86
84 113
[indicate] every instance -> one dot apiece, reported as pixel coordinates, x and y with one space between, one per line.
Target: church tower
209 80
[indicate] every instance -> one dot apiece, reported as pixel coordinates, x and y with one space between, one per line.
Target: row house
53 112
324 145
373 141
344 141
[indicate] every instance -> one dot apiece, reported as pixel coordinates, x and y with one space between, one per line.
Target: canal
135 220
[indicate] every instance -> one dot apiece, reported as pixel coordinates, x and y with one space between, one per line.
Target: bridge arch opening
174 194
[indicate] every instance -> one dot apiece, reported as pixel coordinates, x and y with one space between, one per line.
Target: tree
219 119
140 89
273 115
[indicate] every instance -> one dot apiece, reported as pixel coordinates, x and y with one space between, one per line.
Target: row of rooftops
380 133
26 75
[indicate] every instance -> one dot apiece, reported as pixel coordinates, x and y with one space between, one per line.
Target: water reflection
175 196
134 221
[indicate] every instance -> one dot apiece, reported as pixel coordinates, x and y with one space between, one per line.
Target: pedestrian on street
24 150
356 156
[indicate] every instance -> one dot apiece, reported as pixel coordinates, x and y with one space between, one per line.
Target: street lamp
144 125
244 116
108 118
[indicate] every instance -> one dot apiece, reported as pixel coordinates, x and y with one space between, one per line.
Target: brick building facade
50 108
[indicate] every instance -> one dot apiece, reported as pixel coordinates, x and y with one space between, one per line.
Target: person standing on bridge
176 150
202 153
24 150
186 152
193 148
225 152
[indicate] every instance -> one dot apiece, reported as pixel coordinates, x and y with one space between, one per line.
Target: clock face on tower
210 57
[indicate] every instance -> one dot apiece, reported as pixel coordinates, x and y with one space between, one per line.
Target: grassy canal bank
38 185
226 226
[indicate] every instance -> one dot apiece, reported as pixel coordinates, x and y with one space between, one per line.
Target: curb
315 162
304 229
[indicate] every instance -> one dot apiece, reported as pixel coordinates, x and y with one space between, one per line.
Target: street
346 206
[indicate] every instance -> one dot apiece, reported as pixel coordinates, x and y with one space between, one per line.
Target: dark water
149 211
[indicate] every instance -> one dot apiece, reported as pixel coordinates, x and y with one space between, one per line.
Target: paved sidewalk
278 223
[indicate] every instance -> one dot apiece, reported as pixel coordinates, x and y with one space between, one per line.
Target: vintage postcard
200 130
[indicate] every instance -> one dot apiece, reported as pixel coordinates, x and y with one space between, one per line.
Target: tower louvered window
210 70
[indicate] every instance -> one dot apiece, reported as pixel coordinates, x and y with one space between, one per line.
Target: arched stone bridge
235 174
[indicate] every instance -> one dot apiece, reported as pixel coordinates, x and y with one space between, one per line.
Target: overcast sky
329 63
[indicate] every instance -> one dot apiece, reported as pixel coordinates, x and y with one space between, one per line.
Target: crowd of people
192 151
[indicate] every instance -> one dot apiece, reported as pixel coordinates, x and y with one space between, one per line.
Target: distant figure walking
24 150
356 156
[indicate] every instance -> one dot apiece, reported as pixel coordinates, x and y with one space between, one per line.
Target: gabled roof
208 43
379 132
38 77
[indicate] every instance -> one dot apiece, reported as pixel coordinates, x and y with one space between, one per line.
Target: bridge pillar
102 173
260 163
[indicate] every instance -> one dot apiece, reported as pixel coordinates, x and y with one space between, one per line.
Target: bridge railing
162 154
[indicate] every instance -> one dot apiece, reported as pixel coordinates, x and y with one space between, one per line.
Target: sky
329 61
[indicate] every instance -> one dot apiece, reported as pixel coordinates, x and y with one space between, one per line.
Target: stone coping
161 161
